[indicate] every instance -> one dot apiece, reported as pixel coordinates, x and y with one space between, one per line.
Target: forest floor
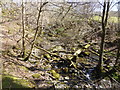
17 73
46 71
9 68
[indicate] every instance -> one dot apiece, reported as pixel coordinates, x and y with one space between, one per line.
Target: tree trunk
36 32
23 31
106 7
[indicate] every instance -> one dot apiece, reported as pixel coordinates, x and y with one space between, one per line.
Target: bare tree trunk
23 31
36 32
106 7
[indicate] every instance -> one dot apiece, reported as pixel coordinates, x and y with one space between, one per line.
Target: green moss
87 53
55 74
47 67
14 82
47 56
58 48
36 75
24 68
55 58
60 30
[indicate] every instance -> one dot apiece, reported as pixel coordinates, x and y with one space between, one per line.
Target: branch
66 12
114 5
100 3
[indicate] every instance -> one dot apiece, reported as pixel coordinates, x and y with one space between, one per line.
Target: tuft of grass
111 19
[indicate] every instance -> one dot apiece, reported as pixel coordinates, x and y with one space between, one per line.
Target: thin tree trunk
36 32
23 31
104 23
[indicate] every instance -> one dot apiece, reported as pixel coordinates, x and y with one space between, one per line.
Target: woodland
60 45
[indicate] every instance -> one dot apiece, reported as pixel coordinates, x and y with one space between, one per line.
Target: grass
97 18
111 19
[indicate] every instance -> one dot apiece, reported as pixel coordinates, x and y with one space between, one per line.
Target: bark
106 7
23 31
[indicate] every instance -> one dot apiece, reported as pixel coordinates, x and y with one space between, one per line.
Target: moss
14 82
48 67
47 56
36 75
55 74
87 53
58 48
60 30
87 46
55 58
24 68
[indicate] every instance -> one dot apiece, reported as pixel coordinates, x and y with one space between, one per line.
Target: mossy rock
69 56
47 56
87 46
14 82
87 53
55 58
24 68
55 74
78 52
58 48
48 67
36 75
